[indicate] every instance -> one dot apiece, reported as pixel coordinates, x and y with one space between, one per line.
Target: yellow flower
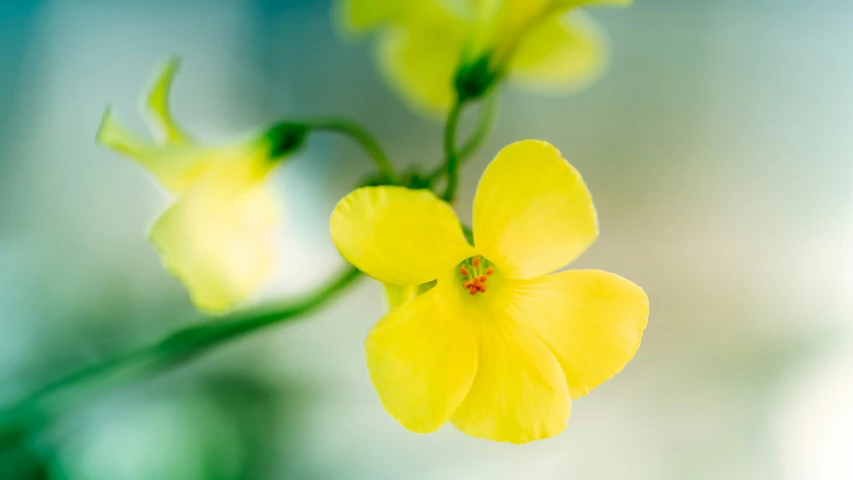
218 237
500 345
427 45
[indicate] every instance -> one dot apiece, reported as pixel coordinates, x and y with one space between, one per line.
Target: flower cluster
483 330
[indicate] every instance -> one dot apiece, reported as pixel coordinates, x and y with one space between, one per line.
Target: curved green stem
185 344
364 138
470 147
174 349
451 157
487 121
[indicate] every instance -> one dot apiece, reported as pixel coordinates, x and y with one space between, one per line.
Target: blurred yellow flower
500 345
217 238
428 47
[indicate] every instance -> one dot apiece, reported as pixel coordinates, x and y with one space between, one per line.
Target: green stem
487 121
364 138
174 349
470 147
451 157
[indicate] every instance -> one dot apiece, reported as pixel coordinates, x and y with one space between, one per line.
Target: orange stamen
478 283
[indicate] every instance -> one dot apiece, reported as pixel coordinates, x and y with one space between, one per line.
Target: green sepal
285 138
474 80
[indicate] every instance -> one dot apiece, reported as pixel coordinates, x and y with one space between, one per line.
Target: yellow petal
504 23
420 59
397 235
507 23
592 320
422 357
519 393
532 212
176 161
560 54
176 166
564 4
359 16
510 13
158 103
218 239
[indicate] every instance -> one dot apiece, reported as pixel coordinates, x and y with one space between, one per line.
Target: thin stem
475 141
176 348
487 121
451 157
183 345
364 138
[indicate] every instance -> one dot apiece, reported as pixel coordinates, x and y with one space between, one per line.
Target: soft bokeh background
718 148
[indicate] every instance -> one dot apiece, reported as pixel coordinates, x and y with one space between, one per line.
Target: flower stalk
475 141
451 157
173 350
361 136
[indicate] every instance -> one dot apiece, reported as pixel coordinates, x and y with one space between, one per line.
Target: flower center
474 273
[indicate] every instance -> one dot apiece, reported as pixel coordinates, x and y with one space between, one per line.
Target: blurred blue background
718 149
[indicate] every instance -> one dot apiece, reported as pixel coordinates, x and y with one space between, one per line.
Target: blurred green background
718 150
